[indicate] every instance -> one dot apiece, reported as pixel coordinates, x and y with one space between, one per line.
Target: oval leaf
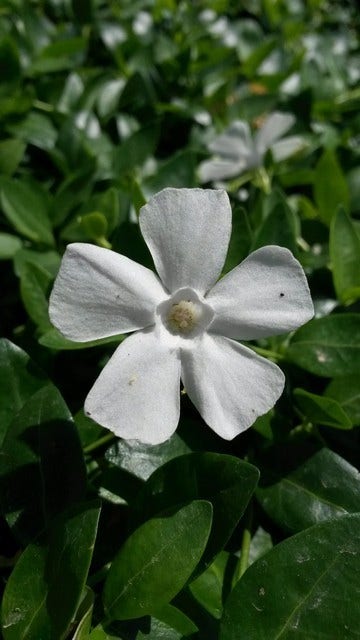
19 380
323 486
227 482
328 346
345 257
346 391
321 410
44 590
25 206
42 468
306 587
330 186
156 561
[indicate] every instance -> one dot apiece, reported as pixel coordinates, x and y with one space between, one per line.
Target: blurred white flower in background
238 150
185 322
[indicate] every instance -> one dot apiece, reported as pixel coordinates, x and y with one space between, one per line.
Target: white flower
180 319
236 150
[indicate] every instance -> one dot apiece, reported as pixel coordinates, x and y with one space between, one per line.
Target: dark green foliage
102 104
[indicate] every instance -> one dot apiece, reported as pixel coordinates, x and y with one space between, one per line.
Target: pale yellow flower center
183 316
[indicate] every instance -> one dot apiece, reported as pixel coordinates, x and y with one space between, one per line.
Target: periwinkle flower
185 322
237 150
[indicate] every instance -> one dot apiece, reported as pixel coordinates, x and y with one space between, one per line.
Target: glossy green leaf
141 460
345 257
330 186
346 391
306 586
321 410
42 468
240 241
321 487
156 561
227 482
36 129
35 284
44 590
84 615
147 629
328 346
9 245
66 53
135 150
71 545
95 226
11 154
208 587
20 378
176 620
9 62
178 171
25 206
53 339
278 228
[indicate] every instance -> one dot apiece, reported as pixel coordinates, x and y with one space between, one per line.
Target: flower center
183 316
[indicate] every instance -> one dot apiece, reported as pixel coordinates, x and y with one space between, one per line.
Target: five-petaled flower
236 150
186 321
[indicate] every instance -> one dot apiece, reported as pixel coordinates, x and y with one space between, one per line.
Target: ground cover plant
234 532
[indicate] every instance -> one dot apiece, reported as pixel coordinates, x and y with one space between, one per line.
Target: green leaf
208 587
26 208
306 586
42 469
330 186
177 171
10 69
278 228
20 378
146 629
54 340
9 245
11 154
328 346
227 482
71 546
321 410
321 487
156 561
84 615
177 620
345 257
135 149
240 241
66 53
36 129
44 590
141 460
35 284
346 391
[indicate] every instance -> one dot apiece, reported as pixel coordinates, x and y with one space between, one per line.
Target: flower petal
99 293
235 142
273 128
187 232
265 295
137 395
211 170
229 384
287 147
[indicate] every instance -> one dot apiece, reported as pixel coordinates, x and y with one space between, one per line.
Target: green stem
99 443
245 547
43 106
267 353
